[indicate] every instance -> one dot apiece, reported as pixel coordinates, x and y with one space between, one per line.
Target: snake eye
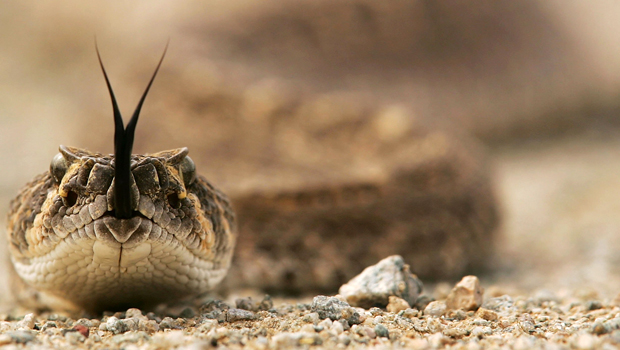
58 168
188 170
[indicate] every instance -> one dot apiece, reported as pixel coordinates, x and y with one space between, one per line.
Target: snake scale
102 232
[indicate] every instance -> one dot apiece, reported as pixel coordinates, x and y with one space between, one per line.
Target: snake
106 232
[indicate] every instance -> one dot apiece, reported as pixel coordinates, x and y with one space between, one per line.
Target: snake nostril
71 199
173 200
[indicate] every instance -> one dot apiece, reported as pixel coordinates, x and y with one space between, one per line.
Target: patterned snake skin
70 241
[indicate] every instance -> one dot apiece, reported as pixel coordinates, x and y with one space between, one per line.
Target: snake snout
123 231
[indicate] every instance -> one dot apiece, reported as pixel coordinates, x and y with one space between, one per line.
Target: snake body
106 232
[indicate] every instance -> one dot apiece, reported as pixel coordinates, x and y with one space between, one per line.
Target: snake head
121 230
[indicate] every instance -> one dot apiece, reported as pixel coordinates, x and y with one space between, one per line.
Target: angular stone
397 304
466 295
334 309
435 308
374 286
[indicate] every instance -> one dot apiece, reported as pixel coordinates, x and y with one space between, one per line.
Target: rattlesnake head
114 231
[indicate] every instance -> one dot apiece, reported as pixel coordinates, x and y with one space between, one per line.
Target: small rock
459 315
213 305
487 314
114 325
334 309
265 304
246 304
326 323
370 332
466 295
526 323
168 323
27 322
131 313
382 331
48 325
374 286
233 315
435 308
132 324
337 328
149 326
409 313
312 317
397 304
86 323
83 330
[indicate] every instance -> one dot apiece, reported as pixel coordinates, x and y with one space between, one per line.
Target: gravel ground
540 320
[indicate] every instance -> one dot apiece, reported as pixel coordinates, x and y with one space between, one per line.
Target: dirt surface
541 321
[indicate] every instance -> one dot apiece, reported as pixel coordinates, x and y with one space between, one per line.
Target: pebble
312 317
334 309
382 331
114 325
27 322
233 315
435 308
374 286
337 328
487 314
83 330
397 304
466 295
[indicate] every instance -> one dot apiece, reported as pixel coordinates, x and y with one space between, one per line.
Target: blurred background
537 83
